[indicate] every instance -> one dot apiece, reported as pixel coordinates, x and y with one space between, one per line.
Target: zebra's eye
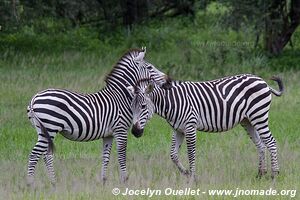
143 106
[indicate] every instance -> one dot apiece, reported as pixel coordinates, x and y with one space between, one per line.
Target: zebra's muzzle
137 131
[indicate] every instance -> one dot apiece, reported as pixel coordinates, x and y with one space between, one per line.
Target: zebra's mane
145 81
130 53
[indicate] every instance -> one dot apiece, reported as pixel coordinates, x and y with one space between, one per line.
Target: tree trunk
281 25
14 10
134 11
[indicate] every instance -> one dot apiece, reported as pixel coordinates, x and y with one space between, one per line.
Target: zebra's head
158 77
132 67
142 106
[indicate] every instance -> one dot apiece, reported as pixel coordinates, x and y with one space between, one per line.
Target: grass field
224 161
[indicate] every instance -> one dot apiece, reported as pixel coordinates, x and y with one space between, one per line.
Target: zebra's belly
69 135
77 136
204 126
216 127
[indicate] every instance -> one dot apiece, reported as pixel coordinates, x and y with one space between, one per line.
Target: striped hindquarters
222 104
76 116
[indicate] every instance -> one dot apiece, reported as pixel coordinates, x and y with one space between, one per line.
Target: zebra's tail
280 85
31 114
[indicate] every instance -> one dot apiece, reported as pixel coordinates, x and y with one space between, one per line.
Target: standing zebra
86 117
211 106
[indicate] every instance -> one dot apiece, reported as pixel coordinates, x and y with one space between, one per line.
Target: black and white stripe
213 106
86 117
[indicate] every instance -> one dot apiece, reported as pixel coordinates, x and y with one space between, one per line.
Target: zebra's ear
131 90
141 55
150 88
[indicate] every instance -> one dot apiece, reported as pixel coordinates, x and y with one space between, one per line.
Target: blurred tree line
92 12
274 21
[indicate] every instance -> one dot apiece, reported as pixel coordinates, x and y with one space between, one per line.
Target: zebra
210 106
86 117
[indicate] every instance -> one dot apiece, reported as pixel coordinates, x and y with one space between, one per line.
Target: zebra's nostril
137 125
136 130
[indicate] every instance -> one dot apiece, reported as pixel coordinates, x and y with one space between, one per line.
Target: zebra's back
219 105
77 116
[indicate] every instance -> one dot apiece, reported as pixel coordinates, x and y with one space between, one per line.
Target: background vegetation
74 44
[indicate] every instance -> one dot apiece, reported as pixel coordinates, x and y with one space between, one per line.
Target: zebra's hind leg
261 148
107 144
262 127
48 159
38 150
177 139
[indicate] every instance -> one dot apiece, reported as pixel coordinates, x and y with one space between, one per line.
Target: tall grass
224 161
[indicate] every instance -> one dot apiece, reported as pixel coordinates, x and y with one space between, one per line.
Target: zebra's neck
121 76
126 71
118 88
161 103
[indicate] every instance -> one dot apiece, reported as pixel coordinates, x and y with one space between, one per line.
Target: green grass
224 160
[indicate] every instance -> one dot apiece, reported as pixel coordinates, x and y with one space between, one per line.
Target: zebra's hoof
187 172
261 173
124 179
30 181
101 180
192 178
274 174
104 180
53 184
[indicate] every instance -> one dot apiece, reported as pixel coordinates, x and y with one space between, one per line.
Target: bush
206 49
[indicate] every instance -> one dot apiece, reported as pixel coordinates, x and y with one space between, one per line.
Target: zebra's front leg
121 141
191 149
177 139
107 144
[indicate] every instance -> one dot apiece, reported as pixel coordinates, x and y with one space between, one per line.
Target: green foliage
271 22
204 47
48 36
290 59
